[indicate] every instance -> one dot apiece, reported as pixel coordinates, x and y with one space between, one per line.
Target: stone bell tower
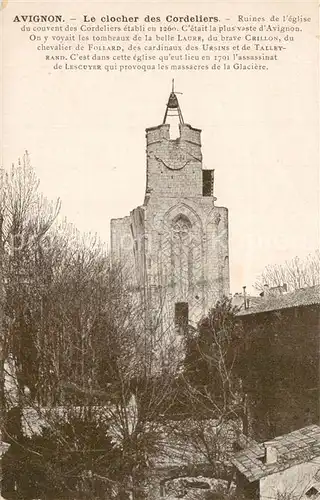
176 243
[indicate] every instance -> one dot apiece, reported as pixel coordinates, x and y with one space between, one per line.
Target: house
286 467
279 360
277 298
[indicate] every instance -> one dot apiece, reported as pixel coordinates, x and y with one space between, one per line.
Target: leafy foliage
211 356
281 385
74 458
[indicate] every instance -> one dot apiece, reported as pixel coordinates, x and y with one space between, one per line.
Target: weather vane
173 91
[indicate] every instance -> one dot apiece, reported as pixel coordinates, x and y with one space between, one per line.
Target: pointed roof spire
173 108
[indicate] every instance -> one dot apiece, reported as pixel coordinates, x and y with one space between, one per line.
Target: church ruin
175 245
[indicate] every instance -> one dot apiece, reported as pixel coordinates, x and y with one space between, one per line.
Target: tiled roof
292 449
301 297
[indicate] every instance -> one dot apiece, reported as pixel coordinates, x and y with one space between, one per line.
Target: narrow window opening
207 182
181 317
174 130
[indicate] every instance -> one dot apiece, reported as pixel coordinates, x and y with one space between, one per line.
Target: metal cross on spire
173 108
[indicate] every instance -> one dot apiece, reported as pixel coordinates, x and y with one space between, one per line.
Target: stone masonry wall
174 166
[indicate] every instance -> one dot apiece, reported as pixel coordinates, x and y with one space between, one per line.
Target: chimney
285 287
244 296
270 454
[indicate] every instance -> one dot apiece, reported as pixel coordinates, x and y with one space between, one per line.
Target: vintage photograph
159 252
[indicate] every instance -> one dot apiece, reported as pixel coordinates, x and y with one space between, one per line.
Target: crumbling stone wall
179 239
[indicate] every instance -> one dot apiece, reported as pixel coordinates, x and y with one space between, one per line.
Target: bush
74 458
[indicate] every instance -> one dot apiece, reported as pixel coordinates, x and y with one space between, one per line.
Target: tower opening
207 182
173 115
174 130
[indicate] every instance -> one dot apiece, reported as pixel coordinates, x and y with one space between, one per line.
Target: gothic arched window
181 228
182 254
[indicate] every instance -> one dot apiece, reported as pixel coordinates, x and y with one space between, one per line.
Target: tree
78 337
295 273
111 374
211 387
281 388
72 456
25 217
81 341
136 394
210 360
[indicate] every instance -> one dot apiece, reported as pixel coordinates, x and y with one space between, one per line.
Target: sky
85 133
